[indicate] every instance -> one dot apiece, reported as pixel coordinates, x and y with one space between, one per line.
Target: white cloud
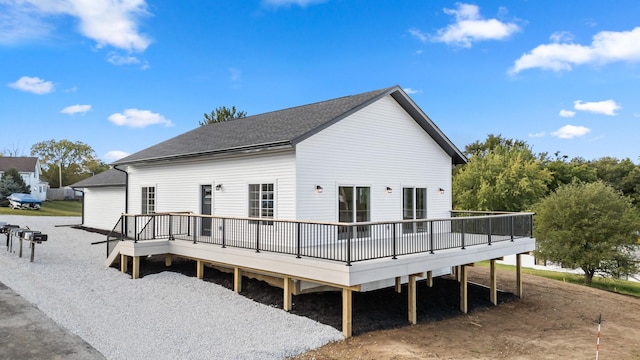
418 35
138 118
75 109
33 85
410 91
116 59
561 37
107 22
567 113
301 3
537 135
115 155
607 107
606 47
570 131
470 27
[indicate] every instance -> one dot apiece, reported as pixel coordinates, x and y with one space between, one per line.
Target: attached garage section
103 206
104 199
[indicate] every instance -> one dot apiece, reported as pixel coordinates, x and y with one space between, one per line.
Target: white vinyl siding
178 183
380 145
103 206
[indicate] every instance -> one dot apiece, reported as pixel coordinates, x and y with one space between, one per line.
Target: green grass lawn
618 286
49 208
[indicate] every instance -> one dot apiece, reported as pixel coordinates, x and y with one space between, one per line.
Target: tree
11 182
589 226
568 171
221 114
57 157
501 175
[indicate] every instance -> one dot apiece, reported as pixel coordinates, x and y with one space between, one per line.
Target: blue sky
122 75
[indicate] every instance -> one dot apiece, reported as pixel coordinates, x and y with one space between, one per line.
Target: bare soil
553 320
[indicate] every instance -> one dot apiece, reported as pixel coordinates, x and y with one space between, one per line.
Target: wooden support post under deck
135 271
167 260
519 275
411 295
347 305
287 294
124 263
237 280
398 284
430 278
199 269
493 291
462 274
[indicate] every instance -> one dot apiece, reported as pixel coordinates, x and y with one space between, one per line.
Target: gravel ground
165 315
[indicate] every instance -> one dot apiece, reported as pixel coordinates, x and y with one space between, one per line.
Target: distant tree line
587 211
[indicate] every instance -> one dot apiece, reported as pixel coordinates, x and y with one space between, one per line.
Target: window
414 207
354 206
261 201
148 199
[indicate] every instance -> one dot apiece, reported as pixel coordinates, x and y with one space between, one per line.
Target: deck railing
342 242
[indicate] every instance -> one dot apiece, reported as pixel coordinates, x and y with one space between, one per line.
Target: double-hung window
148 199
414 207
262 201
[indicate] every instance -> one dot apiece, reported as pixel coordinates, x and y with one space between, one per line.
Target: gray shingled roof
20 163
280 128
111 177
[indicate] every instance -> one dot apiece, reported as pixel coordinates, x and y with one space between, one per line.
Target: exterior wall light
441 190
218 187
389 190
318 189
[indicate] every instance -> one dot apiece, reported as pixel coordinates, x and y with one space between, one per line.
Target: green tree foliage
11 182
501 175
623 175
73 160
221 114
589 226
566 171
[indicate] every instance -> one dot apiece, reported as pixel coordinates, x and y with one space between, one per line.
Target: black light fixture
441 190
389 190
318 189
218 187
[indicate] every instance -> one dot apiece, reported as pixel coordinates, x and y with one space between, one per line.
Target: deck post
398 284
413 314
237 280
347 308
124 263
287 294
135 271
168 260
493 292
430 278
462 272
519 275
199 269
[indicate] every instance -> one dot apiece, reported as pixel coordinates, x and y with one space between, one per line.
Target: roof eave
281 145
457 157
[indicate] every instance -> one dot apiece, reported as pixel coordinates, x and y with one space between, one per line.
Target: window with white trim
148 199
262 201
354 205
414 207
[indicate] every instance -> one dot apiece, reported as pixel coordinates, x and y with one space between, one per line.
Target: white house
297 194
103 199
30 171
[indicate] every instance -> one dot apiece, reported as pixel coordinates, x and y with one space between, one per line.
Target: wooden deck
299 273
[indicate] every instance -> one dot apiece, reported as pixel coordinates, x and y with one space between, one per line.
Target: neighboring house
103 199
30 171
352 194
